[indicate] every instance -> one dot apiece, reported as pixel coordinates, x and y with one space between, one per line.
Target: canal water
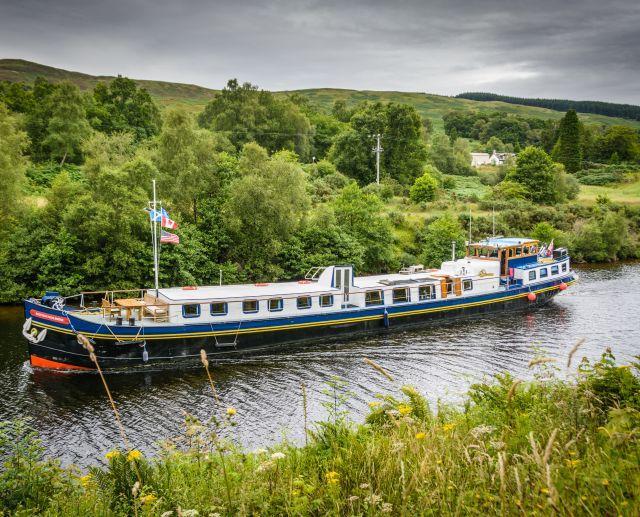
74 420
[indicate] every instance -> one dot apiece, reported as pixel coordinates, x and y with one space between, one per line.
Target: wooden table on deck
130 304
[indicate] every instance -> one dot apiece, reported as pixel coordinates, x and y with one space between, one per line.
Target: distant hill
165 93
610 109
195 97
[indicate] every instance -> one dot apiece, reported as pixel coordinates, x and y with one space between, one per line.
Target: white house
478 159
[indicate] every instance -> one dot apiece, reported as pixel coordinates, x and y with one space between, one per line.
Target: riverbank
543 446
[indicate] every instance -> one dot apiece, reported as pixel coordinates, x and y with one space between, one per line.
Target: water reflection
73 416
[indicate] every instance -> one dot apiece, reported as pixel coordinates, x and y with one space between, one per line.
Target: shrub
424 189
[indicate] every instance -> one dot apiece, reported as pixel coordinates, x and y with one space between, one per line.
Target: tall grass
546 446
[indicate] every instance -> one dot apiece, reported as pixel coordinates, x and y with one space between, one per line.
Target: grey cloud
575 49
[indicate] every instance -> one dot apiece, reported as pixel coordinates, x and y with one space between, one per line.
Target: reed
378 368
530 456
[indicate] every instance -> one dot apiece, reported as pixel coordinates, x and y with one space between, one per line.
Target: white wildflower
277 456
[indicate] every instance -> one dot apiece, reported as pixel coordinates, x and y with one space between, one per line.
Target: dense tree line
264 187
610 109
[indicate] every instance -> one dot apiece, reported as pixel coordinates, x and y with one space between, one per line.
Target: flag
169 238
550 249
163 218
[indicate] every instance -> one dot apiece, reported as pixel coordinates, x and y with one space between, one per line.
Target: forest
610 109
266 186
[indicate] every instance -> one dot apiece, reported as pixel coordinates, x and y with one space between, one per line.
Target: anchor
32 334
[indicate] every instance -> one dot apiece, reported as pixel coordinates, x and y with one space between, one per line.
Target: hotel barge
153 326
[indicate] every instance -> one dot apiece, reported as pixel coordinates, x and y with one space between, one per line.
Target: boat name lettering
50 317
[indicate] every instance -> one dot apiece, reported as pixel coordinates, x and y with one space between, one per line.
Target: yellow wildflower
448 427
231 411
134 455
404 409
148 499
420 436
85 480
374 404
544 490
333 478
605 482
112 454
572 463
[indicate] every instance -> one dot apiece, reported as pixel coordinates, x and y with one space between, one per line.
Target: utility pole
377 149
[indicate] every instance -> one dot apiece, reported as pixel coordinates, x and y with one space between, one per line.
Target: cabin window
448 287
191 311
532 275
525 250
338 282
554 270
275 304
518 251
304 302
544 272
467 285
564 266
510 252
373 298
426 292
494 253
250 306
218 309
400 295
326 300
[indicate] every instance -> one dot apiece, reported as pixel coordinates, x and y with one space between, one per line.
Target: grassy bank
546 446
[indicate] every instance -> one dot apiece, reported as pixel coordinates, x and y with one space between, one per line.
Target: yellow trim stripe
300 325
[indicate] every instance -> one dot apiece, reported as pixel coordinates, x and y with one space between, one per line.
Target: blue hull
119 346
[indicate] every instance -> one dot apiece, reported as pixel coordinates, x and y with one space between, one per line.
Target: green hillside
195 97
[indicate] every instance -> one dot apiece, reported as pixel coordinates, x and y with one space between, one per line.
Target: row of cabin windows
403 294
374 297
253 306
544 272
490 252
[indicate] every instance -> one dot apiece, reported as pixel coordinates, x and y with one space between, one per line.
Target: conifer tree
569 149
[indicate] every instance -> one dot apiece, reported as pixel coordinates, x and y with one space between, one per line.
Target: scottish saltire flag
169 238
163 218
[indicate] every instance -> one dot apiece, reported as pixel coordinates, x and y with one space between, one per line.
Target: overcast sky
578 49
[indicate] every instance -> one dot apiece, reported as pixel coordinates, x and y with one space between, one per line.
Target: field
195 97
628 193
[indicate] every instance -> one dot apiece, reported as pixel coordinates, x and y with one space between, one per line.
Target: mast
154 239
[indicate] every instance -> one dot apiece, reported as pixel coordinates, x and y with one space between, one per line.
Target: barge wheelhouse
152 326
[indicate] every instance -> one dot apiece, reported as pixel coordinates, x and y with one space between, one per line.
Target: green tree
536 172
404 152
424 189
437 238
361 216
264 208
569 151
245 114
186 159
622 140
121 106
13 164
68 125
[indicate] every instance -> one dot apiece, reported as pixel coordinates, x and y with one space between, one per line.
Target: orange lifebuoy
189 288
